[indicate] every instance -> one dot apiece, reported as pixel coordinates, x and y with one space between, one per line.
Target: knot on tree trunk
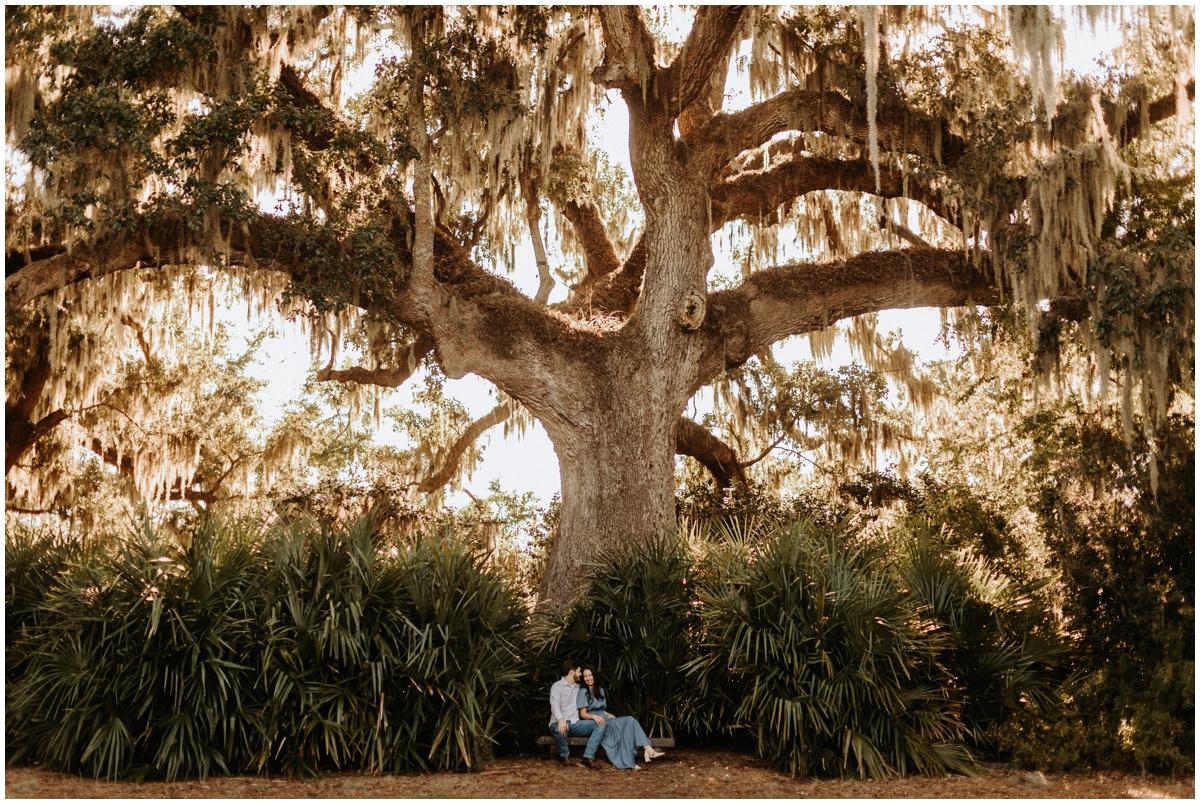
692 314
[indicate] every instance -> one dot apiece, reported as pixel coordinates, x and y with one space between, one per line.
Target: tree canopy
161 159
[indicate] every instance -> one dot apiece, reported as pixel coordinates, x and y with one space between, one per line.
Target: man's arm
556 710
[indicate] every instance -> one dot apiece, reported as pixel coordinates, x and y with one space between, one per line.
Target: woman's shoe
650 753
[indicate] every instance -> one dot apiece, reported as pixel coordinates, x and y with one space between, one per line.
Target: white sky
529 463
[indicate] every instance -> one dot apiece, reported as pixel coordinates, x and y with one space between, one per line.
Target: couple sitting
579 710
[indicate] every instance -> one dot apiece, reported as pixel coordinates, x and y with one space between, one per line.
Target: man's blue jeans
580 728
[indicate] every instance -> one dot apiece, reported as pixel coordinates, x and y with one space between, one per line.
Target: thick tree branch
20 431
704 53
156 242
388 378
17 259
796 299
900 129
600 258
21 434
628 51
695 440
618 292
755 194
1158 111
454 457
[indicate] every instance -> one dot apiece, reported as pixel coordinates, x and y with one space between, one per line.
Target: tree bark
718 458
618 489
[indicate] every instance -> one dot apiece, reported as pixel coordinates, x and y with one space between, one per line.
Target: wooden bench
546 739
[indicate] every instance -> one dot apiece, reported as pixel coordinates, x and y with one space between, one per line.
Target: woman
622 735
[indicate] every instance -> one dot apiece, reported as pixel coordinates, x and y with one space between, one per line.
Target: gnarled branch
776 303
755 193
695 440
900 129
704 53
386 377
450 466
600 257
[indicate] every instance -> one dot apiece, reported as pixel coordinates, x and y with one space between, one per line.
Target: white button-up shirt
562 702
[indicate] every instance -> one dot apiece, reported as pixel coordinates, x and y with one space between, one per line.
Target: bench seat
657 742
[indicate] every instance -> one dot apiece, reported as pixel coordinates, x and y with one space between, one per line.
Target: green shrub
303 648
140 660
34 561
1004 654
459 673
828 663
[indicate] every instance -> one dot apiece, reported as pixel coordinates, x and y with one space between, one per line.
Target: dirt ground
683 773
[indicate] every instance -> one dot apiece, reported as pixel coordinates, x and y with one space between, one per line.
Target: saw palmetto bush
826 662
34 561
1004 650
142 659
635 623
454 673
305 647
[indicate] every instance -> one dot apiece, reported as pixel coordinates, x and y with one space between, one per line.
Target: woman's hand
584 715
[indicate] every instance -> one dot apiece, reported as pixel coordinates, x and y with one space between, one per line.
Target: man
564 716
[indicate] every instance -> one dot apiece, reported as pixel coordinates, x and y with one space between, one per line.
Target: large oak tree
922 157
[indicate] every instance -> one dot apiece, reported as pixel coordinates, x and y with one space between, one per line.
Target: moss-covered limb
1157 111
755 194
387 377
152 241
705 52
125 467
21 432
116 252
449 469
899 128
796 299
719 458
618 292
600 258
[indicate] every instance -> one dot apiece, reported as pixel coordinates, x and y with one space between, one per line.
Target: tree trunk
618 463
618 489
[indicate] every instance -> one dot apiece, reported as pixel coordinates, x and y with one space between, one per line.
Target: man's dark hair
569 665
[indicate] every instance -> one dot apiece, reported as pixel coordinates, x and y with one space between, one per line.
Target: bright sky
529 463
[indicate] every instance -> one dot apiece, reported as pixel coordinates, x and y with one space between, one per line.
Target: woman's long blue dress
622 735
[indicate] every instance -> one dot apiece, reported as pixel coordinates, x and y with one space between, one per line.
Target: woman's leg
639 734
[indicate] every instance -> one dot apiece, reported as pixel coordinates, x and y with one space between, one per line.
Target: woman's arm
584 714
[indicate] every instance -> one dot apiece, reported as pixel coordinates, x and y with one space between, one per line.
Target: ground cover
683 773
